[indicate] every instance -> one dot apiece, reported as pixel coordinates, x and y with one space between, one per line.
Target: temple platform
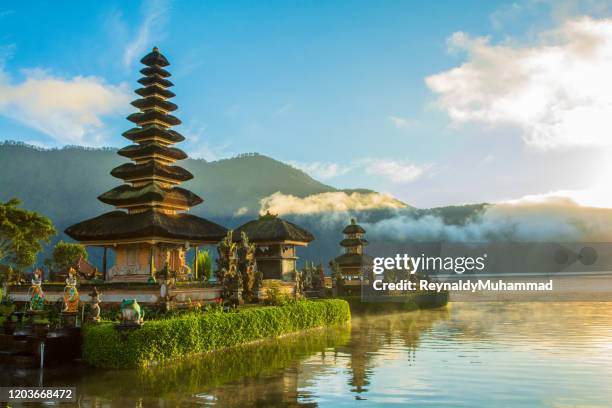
117 292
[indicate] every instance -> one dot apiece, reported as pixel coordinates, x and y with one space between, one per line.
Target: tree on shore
22 234
65 255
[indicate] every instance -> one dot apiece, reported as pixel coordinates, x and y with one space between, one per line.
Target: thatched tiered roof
353 228
354 260
147 226
269 228
353 242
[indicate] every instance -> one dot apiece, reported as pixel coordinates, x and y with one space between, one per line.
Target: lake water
466 355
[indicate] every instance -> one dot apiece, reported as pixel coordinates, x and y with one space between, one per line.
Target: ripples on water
467 355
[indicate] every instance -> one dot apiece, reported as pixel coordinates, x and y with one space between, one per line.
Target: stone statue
246 266
299 285
95 307
184 269
167 260
37 297
163 290
71 295
227 254
227 273
232 283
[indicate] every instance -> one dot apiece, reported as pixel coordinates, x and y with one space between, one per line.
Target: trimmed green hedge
197 373
159 340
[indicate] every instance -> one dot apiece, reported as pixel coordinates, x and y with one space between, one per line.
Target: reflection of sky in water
482 355
469 355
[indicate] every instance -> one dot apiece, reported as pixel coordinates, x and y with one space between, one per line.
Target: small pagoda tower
275 240
353 261
150 230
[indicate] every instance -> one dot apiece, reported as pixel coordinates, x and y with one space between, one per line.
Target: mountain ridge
42 178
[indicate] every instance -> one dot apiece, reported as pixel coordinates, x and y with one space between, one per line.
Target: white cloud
598 197
204 151
403 123
152 29
558 91
241 211
196 145
396 171
506 12
279 203
68 110
320 170
39 144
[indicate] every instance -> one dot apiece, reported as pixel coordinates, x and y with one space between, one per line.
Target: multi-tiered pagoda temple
354 262
150 228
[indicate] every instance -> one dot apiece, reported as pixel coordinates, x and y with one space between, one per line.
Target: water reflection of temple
384 337
284 372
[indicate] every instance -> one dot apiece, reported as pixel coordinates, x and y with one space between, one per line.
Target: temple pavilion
276 241
353 262
150 228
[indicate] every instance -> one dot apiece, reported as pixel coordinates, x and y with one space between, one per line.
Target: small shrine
150 230
275 243
353 262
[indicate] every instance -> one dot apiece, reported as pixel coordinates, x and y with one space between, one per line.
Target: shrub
199 332
204 266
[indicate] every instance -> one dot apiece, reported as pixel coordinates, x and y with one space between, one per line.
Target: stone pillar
152 261
104 265
195 264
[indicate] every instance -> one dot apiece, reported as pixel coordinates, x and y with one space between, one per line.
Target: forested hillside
64 183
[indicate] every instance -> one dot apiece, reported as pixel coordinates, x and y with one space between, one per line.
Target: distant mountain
64 183
241 182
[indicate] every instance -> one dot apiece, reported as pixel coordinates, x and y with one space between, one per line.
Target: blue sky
338 88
